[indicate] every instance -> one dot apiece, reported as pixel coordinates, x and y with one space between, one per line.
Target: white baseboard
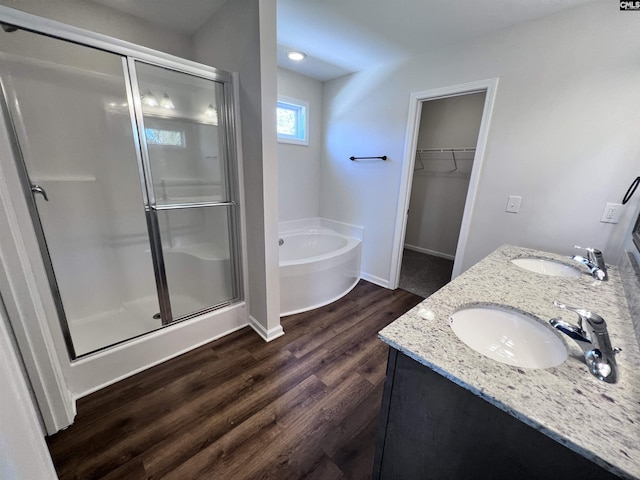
429 252
373 279
267 335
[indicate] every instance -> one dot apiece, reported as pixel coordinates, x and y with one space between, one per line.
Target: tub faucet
594 262
592 337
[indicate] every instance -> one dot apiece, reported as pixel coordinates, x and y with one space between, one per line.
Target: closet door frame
416 99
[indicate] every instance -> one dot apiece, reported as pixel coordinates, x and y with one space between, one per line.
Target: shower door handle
40 190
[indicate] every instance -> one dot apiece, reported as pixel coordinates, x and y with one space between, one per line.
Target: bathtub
317 267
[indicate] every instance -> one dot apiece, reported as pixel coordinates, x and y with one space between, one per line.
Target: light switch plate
513 204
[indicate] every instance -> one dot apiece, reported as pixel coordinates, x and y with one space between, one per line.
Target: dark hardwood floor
303 406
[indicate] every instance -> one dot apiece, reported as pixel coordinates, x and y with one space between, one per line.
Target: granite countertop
598 420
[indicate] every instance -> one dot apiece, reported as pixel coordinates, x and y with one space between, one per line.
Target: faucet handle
572 331
591 318
595 257
595 343
581 315
581 312
592 254
565 307
595 266
587 249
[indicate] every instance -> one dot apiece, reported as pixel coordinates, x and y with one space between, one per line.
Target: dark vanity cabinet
431 428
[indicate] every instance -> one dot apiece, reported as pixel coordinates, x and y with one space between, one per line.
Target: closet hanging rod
384 157
461 149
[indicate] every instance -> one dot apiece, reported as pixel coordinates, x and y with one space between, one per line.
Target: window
172 138
292 121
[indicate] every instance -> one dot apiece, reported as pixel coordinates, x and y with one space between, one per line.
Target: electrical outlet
513 204
611 213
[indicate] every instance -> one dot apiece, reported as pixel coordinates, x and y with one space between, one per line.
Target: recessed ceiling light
296 56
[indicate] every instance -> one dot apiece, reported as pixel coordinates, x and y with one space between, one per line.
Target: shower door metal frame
149 196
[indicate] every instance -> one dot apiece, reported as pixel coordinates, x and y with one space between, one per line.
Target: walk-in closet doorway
444 149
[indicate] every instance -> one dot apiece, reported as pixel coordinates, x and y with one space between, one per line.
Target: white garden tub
317 267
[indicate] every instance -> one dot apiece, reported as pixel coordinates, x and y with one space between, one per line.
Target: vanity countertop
598 420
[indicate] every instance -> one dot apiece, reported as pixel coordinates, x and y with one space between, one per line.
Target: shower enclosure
129 169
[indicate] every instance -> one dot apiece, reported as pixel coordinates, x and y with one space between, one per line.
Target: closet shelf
428 173
444 150
419 165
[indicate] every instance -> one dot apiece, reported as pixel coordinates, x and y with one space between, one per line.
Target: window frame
302 120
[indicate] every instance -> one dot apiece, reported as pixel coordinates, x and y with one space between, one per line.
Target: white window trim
305 108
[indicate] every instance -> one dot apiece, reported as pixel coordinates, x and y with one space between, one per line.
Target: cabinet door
431 428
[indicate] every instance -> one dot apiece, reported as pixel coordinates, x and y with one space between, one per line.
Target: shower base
131 320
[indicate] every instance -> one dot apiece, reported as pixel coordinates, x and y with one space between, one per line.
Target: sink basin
547 267
508 336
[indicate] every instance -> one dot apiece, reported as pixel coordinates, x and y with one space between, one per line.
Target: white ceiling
343 36
352 35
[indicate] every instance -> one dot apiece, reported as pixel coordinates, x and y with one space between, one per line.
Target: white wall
23 451
563 134
437 196
241 38
299 165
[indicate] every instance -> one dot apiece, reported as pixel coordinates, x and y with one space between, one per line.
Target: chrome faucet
594 342
594 262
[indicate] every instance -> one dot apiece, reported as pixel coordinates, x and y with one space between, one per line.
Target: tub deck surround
598 420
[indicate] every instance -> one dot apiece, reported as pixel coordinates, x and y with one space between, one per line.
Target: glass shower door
185 144
70 114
